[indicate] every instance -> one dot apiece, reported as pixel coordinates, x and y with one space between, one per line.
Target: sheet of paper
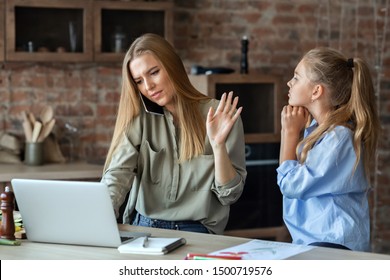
264 250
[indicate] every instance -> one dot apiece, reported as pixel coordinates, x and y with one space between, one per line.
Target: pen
145 242
191 256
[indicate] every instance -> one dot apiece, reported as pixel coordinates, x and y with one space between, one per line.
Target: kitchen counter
55 171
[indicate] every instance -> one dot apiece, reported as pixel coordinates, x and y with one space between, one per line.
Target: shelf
133 19
259 96
48 30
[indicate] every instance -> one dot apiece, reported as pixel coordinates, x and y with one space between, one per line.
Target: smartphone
151 107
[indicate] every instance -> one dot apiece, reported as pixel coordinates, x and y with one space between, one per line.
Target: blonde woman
179 153
324 178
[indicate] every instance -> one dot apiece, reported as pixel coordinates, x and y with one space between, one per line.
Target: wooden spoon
26 126
27 131
36 131
46 114
46 129
32 119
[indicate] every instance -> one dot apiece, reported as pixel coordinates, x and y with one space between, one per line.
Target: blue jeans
193 226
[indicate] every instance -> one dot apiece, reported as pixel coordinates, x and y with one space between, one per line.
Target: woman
324 178
183 160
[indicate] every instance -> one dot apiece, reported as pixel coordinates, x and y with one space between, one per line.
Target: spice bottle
244 55
7 210
118 40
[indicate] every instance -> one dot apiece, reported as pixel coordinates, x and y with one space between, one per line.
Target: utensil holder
33 153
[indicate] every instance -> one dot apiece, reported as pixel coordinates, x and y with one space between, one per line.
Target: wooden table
196 243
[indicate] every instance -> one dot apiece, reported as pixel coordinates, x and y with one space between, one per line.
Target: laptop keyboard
126 238
128 235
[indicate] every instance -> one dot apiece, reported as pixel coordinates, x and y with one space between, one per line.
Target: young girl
182 155
324 178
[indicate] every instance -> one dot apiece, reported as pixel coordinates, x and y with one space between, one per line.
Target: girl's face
301 88
152 80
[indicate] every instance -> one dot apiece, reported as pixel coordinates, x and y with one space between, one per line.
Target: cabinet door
117 24
260 204
2 31
49 30
258 95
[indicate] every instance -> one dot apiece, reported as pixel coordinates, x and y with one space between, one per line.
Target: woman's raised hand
220 122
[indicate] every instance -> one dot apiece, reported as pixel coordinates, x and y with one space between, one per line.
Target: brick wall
83 96
208 33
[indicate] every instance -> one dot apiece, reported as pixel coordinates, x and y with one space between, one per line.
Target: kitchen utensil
27 131
32 118
26 126
46 129
46 114
36 131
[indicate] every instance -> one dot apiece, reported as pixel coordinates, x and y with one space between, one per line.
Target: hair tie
350 62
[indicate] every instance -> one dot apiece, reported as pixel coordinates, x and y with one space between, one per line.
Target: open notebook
152 245
68 212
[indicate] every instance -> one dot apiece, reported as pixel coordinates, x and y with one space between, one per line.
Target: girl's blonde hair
191 122
352 97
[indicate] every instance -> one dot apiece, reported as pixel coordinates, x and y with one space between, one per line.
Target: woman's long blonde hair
191 122
352 96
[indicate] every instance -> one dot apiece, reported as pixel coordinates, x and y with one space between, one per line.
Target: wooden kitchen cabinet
78 30
2 31
48 30
259 95
117 24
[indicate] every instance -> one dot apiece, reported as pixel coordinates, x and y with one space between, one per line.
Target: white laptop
68 212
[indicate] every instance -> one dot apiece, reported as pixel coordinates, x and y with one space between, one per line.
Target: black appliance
260 204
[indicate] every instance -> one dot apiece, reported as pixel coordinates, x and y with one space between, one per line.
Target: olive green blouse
146 164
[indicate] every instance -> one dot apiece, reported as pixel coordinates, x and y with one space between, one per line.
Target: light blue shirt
323 199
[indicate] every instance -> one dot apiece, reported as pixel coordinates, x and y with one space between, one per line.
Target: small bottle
30 46
119 40
244 55
7 209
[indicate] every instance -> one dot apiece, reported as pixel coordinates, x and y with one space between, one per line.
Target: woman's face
152 80
301 88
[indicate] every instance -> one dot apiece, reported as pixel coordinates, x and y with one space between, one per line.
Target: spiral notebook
151 245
